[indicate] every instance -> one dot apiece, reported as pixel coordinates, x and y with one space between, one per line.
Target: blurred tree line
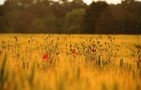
47 16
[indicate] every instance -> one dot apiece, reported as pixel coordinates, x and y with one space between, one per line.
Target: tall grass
73 63
3 73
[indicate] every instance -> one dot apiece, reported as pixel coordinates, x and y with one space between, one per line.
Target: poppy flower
74 53
45 56
93 50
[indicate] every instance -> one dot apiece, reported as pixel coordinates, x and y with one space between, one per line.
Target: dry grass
70 62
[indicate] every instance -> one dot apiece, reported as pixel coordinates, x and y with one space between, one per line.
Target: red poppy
74 53
45 56
93 50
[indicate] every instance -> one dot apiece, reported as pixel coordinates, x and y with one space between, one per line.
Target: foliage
16 16
73 25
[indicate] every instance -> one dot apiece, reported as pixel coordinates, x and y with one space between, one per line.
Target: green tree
37 26
50 23
74 20
92 15
18 21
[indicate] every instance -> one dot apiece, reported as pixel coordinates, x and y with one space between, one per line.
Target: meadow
70 62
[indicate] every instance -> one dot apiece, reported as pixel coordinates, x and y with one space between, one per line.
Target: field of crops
70 62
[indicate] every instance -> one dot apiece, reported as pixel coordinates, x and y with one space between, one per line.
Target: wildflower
45 56
93 50
74 53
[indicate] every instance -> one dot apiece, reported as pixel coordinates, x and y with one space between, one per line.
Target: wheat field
70 62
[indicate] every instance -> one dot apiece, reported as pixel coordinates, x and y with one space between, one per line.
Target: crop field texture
70 62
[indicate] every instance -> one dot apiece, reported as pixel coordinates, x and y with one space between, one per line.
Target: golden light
2 2
108 1
88 1
113 1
